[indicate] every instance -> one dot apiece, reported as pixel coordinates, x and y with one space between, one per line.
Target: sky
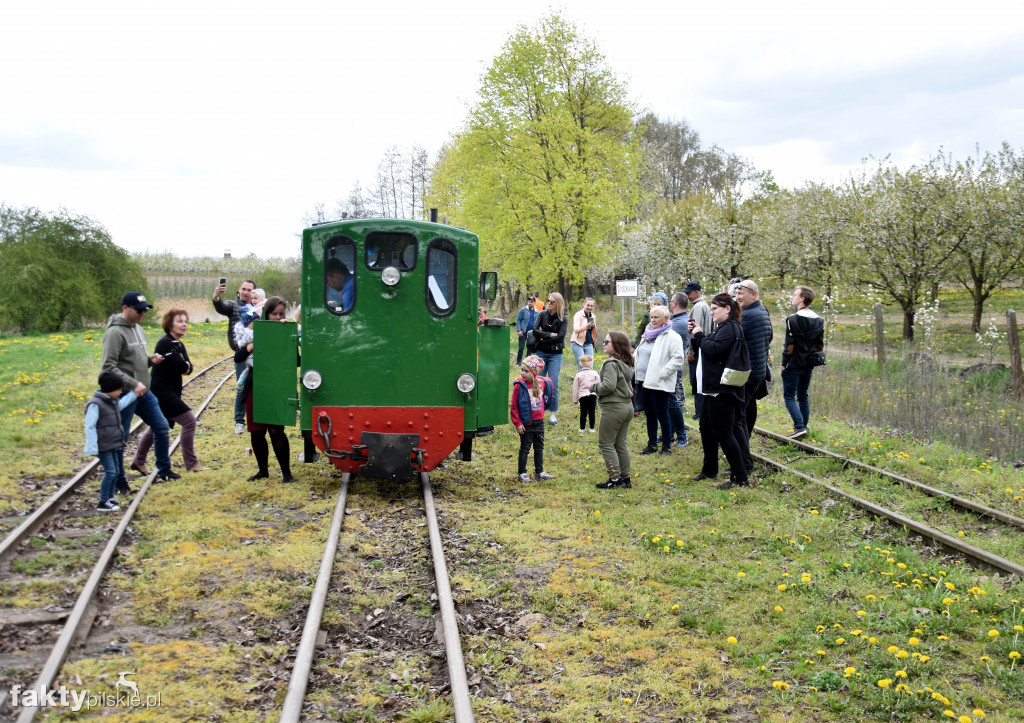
207 127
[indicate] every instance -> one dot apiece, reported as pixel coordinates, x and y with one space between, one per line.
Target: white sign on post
625 287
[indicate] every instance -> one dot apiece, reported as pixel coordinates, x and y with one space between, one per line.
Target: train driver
340 285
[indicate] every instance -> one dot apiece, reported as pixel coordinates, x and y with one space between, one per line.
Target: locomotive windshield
441 278
339 279
391 249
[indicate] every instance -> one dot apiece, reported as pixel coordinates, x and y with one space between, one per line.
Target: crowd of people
133 382
721 346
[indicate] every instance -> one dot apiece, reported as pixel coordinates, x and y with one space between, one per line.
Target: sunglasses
607 341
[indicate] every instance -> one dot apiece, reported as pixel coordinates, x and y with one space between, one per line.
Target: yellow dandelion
885 682
741 574
913 641
893 649
782 587
978 712
732 640
993 633
778 608
901 674
861 613
840 641
780 685
1014 655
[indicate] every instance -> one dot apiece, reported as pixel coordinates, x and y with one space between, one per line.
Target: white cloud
217 125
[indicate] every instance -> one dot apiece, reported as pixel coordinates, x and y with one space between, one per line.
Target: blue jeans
552 368
148 410
578 351
656 408
113 468
675 409
240 395
795 383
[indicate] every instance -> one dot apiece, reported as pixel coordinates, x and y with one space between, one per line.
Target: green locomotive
396 371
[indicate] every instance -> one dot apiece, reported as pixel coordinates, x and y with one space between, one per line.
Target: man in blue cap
124 353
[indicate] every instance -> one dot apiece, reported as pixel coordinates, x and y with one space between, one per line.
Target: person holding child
104 434
615 392
531 393
581 394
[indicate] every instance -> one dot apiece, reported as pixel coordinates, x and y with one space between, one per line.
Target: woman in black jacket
550 332
721 420
166 387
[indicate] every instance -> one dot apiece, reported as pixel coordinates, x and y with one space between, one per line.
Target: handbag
737 365
816 359
531 340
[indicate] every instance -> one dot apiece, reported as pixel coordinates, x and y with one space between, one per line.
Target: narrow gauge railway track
304 659
854 471
49 507
37 627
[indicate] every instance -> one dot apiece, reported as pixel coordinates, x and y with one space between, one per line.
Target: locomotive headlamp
312 379
390 276
466 383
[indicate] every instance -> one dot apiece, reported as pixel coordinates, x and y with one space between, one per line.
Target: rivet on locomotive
395 370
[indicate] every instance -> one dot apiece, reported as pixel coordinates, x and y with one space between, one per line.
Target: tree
548 168
900 232
991 232
60 270
677 166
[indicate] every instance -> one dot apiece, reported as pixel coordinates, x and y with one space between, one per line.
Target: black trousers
588 410
532 436
723 424
261 452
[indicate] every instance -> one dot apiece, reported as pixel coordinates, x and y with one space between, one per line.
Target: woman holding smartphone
166 386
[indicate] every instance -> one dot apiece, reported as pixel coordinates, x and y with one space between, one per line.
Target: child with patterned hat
531 393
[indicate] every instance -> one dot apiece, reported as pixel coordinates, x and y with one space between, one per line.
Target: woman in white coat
658 357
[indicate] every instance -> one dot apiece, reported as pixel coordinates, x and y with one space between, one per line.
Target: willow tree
547 169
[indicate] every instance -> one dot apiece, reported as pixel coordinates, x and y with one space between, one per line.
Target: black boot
262 474
733 482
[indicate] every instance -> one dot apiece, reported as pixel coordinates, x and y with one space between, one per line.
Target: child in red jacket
531 393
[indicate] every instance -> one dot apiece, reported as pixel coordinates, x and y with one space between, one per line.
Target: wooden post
879 338
1015 368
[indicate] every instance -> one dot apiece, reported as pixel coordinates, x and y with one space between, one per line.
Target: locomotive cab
395 370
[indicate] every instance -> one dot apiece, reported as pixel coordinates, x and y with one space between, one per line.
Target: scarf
651 333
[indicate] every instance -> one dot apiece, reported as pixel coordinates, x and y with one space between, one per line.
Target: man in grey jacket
700 312
124 352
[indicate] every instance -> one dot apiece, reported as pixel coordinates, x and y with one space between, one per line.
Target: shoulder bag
737 365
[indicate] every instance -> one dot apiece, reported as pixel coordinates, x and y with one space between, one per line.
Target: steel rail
292 709
78 614
36 520
919 486
955 543
452 644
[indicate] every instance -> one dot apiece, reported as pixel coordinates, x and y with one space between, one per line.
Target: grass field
670 601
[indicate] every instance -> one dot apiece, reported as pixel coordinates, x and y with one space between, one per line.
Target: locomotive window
441 278
385 249
339 276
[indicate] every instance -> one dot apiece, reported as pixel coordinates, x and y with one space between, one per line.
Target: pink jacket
579 327
586 378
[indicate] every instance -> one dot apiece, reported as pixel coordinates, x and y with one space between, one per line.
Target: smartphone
223 280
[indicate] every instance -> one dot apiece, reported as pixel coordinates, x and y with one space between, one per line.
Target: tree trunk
979 296
908 325
935 291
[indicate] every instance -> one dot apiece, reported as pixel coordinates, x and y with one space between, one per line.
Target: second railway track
986 536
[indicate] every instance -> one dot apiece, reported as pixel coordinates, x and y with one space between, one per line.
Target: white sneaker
593 431
239 428
554 419
583 431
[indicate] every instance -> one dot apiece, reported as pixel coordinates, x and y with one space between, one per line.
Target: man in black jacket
757 329
805 335
230 310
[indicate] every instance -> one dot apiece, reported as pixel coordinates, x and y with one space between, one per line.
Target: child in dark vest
531 393
104 436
